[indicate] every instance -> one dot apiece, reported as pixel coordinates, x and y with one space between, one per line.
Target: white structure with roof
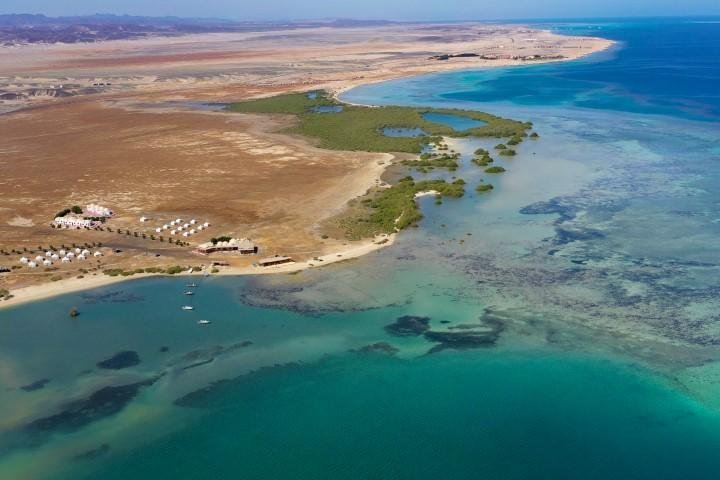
97 254
32 264
95 210
241 245
24 260
74 222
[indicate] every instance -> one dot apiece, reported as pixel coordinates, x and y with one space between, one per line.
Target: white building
47 263
243 246
95 210
24 260
55 256
32 264
74 222
97 254
38 259
65 260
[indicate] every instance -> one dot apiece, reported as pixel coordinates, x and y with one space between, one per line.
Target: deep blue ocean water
592 269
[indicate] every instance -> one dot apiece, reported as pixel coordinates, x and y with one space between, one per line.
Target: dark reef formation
118 296
94 453
383 348
100 404
408 325
465 336
120 360
36 385
213 394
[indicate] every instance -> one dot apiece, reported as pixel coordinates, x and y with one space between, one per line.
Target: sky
369 9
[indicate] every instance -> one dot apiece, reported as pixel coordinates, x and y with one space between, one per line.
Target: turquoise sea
564 326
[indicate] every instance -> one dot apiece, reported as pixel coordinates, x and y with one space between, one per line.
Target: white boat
189 292
203 322
191 285
188 307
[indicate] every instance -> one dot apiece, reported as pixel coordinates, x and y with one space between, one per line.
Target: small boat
191 285
188 307
189 292
203 322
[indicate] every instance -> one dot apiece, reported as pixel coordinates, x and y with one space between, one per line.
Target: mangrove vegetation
360 128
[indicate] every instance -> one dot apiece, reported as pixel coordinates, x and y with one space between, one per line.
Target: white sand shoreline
44 291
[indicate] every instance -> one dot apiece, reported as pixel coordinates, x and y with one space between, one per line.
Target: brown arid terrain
129 132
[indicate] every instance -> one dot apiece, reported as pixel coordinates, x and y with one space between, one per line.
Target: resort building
276 260
95 210
74 222
242 246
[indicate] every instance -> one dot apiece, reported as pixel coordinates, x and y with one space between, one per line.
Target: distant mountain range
29 28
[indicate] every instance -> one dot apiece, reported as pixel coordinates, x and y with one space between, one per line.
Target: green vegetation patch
389 209
494 169
508 152
431 160
359 128
482 158
484 187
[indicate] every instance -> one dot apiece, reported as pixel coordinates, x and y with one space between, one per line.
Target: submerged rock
409 325
94 453
120 360
37 385
100 404
213 394
469 335
379 347
461 340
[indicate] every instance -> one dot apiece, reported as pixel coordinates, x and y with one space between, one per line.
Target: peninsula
142 128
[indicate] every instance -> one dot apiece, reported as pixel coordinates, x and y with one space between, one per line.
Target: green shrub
484 187
494 169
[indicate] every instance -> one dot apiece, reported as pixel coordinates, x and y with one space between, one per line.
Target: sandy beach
48 290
